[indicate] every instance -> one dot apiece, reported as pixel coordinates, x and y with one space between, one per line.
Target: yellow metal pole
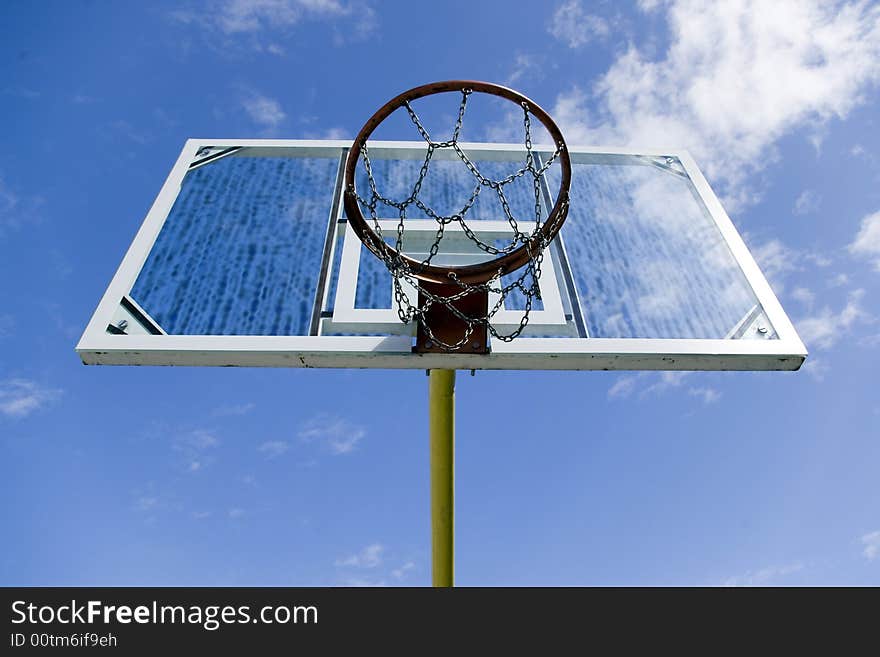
442 420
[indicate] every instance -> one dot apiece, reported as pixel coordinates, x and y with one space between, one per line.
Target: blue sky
152 476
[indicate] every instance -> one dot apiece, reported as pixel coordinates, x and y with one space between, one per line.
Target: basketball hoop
453 310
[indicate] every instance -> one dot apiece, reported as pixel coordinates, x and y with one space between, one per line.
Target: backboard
246 259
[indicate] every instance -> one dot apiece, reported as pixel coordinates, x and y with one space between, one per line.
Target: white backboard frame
98 347
349 319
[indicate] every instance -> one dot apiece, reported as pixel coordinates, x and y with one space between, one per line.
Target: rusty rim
470 274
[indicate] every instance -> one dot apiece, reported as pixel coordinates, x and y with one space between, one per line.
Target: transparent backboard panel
374 283
449 186
647 258
240 252
249 240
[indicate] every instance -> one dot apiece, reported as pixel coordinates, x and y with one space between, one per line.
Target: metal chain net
526 281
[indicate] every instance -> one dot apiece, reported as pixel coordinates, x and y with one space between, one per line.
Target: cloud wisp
272 449
766 576
649 384
15 211
401 573
20 398
232 410
259 20
337 435
827 327
807 202
371 566
778 261
871 543
817 368
369 557
867 241
575 27
265 112
195 447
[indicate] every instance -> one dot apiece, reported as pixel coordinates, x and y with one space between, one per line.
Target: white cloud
737 77
817 139
400 573
335 133
238 18
859 151
234 409
574 26
235 513
524 66
16 211
622 388
264 111
872 545
274 448
648 384
706 394
817 259
778 261
193 446
838 280
817 368
804 295
21 397
126 130
235 16
369 557
22 92
362 582
200 439
766 576
827 327
363 23
146 503
867 241
338 435
667 380
807 202
83 99
251 15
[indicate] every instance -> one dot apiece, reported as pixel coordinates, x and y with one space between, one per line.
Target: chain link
402 270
